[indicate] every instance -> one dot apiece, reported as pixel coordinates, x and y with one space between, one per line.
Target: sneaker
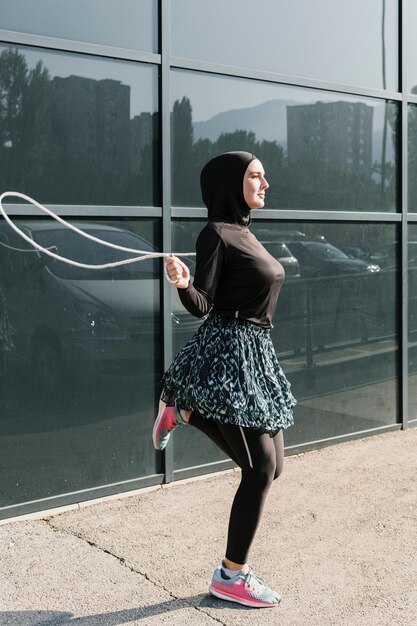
245 588
167 419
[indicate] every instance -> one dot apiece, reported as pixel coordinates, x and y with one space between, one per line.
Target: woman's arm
197 296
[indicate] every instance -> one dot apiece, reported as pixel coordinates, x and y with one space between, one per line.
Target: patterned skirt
229 373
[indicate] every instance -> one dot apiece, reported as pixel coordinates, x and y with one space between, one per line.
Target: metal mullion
328 216
294 215
404 201
412 217
296 81
164 17
69 45
412 99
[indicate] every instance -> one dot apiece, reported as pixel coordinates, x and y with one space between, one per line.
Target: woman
227 381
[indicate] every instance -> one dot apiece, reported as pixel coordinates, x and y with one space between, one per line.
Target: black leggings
261 458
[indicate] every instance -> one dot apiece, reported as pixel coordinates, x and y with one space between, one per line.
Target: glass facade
109 120
335 327
84 346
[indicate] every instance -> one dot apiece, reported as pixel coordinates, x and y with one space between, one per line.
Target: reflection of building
335 133
94 116
143 129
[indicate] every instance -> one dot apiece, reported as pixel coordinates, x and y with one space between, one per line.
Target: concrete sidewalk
338 539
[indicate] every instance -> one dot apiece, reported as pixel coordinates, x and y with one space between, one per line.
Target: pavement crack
182 602
121 559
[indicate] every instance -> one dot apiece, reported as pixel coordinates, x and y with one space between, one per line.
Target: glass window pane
335 328
412 158
320 150
412 322
127 24
78 129
79 360
345 42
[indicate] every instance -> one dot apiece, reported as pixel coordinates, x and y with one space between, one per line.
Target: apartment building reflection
338 135
143 130
94 117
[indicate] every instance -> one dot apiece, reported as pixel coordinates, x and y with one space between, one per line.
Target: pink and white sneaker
246 588
167 419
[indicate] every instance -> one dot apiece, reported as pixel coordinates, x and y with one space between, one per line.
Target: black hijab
221 183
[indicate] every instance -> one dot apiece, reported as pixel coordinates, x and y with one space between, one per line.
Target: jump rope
144 254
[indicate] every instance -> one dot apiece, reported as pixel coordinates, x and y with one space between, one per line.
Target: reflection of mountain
269 121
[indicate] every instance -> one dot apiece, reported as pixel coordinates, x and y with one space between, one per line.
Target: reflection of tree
30 153
71 139
13 80
182 149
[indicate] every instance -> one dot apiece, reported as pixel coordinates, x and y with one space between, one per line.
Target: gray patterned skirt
229 373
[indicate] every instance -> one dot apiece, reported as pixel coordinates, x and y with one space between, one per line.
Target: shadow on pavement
65 618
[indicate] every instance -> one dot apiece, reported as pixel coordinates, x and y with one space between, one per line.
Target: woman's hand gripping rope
176 272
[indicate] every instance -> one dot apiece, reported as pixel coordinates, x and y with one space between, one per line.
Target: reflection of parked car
354 252
387 255
279 235
72 320
322 259
280 251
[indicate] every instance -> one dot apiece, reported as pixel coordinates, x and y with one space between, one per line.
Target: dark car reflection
387 255
80 323
331 304
280 251
323 259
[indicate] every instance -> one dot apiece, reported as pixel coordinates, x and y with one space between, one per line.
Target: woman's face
255 185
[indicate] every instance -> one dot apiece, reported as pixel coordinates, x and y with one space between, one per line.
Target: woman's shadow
65 618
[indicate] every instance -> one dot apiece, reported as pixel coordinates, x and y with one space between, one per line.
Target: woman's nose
265 183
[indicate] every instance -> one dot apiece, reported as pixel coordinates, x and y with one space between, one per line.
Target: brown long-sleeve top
234 275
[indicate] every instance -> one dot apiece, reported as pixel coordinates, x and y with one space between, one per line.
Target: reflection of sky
125 23
336 40
142 79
